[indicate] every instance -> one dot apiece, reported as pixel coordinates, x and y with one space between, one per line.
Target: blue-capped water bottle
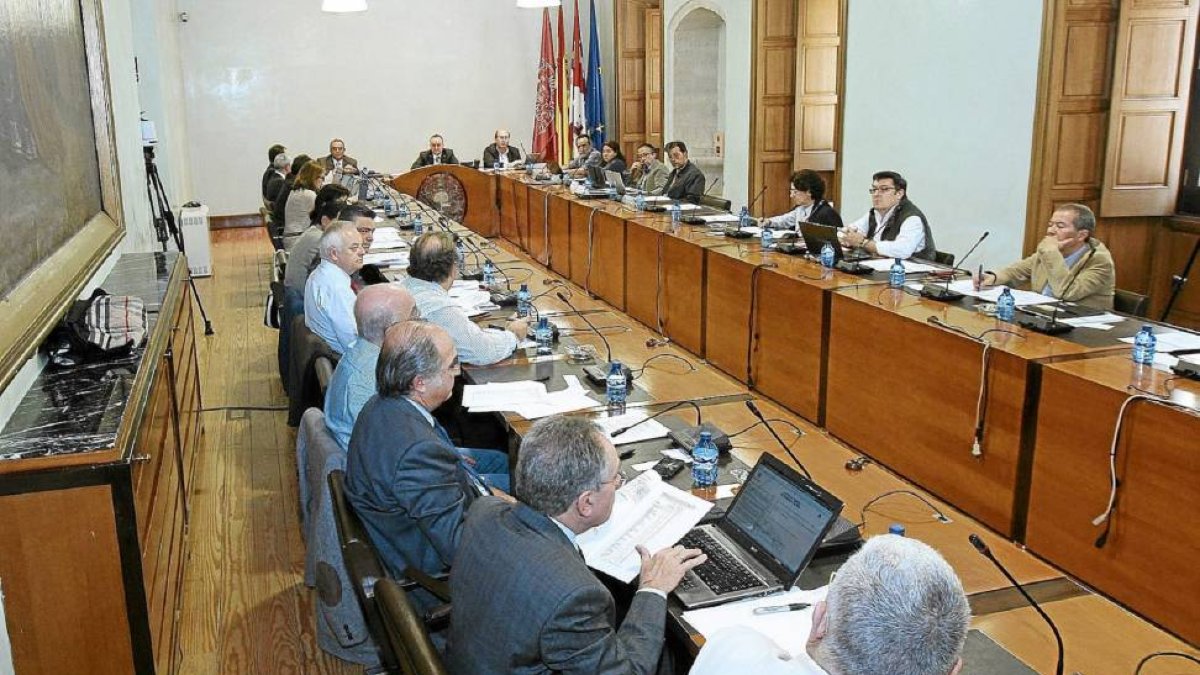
616 387
704 461
1144 346
489 273
496 167
767 237
418 226
676 213
402 208
744 219
828 255
460 249
1006 305
544 337
639 202
896 274
523 302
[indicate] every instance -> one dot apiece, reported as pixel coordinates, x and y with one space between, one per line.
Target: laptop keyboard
722 572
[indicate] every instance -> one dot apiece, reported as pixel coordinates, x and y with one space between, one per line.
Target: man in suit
272 153
437 153
524 599
338 160
686 181
281 168
896 606
1069 255
808 196
648 174
894 227
500 152
403 475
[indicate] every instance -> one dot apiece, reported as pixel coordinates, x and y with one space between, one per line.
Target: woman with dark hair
808 196
300 202
611 158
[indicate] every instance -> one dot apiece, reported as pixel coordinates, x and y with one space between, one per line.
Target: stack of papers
388 237
789 630
967 287
646 512
910 267
645 431
720 218
387 259
473 300
1103 321
527 398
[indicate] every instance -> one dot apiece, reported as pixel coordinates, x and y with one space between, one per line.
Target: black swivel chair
941 258
1133 304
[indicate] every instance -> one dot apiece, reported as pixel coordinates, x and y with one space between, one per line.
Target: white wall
156 28
737 85
943 91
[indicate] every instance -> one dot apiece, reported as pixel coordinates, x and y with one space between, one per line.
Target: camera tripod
165 228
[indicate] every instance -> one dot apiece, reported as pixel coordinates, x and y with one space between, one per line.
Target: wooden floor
245 607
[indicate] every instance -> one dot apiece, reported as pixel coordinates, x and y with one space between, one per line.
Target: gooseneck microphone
699 417
750 206
738 232
596 373
943 292
986 552
754 409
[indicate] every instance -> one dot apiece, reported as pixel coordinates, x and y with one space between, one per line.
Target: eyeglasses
618 480
881 190
338 147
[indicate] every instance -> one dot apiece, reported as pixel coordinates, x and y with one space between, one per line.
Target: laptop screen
780 514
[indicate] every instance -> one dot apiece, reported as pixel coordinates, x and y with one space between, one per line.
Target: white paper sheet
574 397
1103 321
387 259
648 512
720 218
1171 340
388 237
910 267
642 432
1023 298
500 396
789 630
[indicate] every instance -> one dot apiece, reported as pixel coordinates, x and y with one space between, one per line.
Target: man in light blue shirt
377 308
328 295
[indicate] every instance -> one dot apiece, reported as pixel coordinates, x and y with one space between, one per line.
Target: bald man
500 154
376 309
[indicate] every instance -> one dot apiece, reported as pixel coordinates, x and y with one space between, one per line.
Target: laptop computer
817 235
614 179
768 536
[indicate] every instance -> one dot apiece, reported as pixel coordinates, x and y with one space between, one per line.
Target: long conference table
893 376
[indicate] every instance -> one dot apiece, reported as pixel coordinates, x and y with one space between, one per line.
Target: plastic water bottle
523 302
489 273
496 167
1006 305
544 337
403 211
827 255
616 387
1144 346
767 237
461 250
704 461
896 274
896 529
639 202
418 226
676 214
744 219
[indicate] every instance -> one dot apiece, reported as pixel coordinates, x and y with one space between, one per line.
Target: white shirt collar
571 536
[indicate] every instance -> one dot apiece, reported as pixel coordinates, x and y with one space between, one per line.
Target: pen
777 609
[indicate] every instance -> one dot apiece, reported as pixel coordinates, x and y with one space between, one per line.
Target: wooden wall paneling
606 279
508 212
580 245
727 313
643 254
683 293
1151 86
521 194
560 235
789 348
819 75
653 18
537 238
630 35
773 107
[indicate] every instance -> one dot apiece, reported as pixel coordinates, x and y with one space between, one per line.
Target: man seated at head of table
648 174
524 599
376 309
432 269
500 152
1069 264
808 196
337 160
404 477
328 293
585 156
894 227
686 180
437 153
896 606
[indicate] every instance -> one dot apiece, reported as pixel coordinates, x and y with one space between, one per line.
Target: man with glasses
404 477
500 152
437 153
808 196
524 599
894 227
648 174
337 159
1069 263
328 294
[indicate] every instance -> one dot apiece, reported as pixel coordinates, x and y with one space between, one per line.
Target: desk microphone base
598 374
1043 325
940 293
688 437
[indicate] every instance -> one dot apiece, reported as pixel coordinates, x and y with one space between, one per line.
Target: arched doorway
698 90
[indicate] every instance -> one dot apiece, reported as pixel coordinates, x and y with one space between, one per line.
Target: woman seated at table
808 196
300 202
612 159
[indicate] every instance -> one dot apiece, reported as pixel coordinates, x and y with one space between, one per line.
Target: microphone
754 409
750 206
596 373
1051 326
738 232
943 293
714 184
986 552
699 417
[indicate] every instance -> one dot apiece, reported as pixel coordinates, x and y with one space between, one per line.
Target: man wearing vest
894 227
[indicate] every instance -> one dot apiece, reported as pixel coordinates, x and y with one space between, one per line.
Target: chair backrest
406 632
1128 302
715 202
362 564
941 258
324 367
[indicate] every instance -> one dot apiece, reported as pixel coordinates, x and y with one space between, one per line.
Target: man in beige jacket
1069 264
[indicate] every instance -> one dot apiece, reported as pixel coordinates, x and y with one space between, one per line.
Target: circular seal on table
446 194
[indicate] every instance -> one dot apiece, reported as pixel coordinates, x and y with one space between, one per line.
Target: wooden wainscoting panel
772 137
819 63
653 19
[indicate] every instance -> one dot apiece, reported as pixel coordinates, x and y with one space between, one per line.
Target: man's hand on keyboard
664 570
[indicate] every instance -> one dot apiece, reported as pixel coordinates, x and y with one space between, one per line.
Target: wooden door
653 20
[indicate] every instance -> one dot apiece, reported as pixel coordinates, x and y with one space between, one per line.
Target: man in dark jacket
437 153
686 181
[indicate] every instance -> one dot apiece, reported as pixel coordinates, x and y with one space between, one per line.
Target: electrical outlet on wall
719 144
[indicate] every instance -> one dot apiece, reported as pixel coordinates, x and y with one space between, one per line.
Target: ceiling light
343 6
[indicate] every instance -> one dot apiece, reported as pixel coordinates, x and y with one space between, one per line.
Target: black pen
779 609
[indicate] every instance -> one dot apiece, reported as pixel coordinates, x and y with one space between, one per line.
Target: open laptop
817 235
773 528
615 181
